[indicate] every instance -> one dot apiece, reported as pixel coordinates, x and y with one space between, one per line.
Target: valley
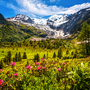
45 54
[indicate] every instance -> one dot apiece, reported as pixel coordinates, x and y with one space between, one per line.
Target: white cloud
35 8
54 0
38 8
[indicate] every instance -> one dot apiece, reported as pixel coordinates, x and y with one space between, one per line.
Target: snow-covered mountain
40 21
56 26
21 18
57 20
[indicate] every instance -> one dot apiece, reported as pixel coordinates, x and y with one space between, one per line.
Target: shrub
80 77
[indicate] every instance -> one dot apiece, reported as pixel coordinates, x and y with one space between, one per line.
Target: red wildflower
44 67
13 63
1 82
1 70
15 74
55 62
38 68
64 63
59 69
42 59
37 63
28 67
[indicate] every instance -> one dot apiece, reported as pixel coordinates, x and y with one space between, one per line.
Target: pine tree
54 55
67 52
47 54
9 56
44 56
60 53
38 59
19 56
2 64
24 55
85 36
16 57
72 53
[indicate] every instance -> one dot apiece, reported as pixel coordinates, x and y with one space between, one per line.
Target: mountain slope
13 32
55 24
2 19
80 23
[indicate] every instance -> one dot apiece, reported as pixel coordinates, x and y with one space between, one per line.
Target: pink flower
59 69
15 74
64 63
38 68
13 63
37 63
55 62
1 82
28 67
44 67
1 70
42 59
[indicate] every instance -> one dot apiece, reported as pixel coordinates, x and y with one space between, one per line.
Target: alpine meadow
46 47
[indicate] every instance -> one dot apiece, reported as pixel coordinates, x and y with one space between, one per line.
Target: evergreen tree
67 52
47 54
14 60
44 56
16 57
9 56
75 54
35 58
85 36
19 56
54 55
38 59
60 53
72 53
2 64
24 55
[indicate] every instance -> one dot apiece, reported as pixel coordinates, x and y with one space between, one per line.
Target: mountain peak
22 18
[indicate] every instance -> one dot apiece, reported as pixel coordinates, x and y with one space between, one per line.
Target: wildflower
37 63
28 67
1 70
15 74
44 67
55 62
1 82
39 68
59 69
64 63
42 59
13 63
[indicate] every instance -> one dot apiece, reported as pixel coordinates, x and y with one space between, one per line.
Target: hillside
12 32
77 28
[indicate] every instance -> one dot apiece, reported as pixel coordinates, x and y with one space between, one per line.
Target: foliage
54 55
24 55
85 37
80 77
36 57
60 53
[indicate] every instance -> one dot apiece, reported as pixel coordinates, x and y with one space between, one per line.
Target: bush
80 77
36 58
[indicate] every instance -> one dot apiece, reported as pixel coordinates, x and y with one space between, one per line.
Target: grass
33 79
29 51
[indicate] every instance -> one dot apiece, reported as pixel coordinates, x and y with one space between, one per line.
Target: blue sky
41 8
